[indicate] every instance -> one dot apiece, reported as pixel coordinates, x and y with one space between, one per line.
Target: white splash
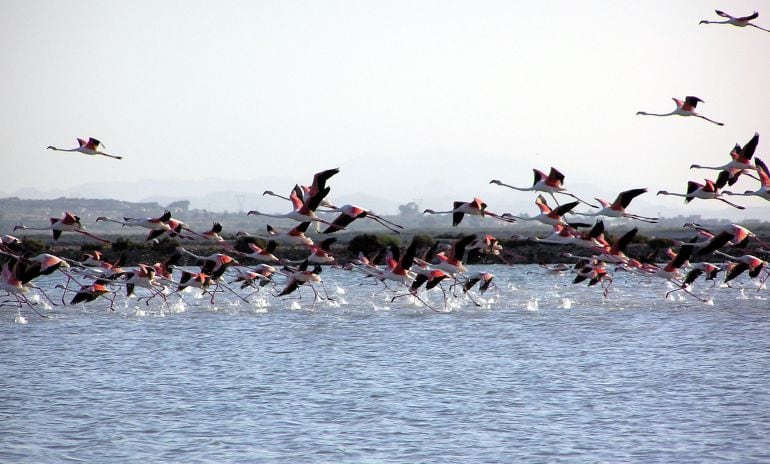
533 305
340 290
566 303
20 319
295 305
743 296
178 307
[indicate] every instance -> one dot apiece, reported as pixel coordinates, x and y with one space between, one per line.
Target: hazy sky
473 90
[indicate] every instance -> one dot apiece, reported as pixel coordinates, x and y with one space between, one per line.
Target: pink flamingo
741 21
69 223
88 147
684 108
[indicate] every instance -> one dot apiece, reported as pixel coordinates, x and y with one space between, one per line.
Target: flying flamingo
551 183
144 277
707 191
475 207
548 215
732 234
11 282
89 147
744 263
742 21
617 209
684 108
294 236
697 270
485 278
214 264
301 275
259 277
349 213
263 254
451 262
740 162
69 223
764 178
157 225
88 293
304 206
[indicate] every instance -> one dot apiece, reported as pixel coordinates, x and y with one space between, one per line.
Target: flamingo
684 108
199 280
69 223
614 253
742 21
349 213
475 207
304 206
262 273
11 282
320 254
263 254
594 271
428 277
451 261
551 183
213 234
732 234
88 293
764 178
740 162
157 225
671 271
399 269
300 276
214 264
88 147
744 263
143 276
294 236
306 191
485 279
302 212
547 215
707 191
485 244
617 208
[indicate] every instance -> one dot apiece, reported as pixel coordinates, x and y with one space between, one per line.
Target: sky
421 101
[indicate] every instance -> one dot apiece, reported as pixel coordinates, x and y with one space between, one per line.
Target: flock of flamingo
409 272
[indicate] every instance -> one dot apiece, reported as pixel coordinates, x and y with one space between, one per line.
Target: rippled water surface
543 371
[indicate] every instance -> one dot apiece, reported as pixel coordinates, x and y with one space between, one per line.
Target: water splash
533 304
20 320
295 305
340 290
566 303
743 296
178 307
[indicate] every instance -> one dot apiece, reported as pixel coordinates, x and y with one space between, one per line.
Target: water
543 371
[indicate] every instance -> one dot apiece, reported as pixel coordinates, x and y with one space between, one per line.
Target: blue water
545 371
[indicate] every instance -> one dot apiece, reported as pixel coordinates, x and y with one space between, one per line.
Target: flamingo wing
764 174
750 147
748 18
624 198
